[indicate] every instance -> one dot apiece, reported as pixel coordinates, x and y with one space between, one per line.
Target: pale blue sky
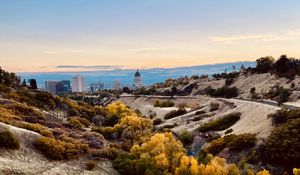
144 33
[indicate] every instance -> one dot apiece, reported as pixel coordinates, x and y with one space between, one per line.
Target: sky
81 35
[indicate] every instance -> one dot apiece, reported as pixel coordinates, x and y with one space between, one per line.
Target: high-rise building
78 83
137 82
96 87
117 85
51 86
58 87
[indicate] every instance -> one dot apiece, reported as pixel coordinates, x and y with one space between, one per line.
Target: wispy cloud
295 32
98 67
146 50
233 39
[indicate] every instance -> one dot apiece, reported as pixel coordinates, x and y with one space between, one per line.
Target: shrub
220 123
200 112
282 146
163 104
214 106
111 119
90 164
78 122
186 137
94 140
109 152
175 113
157 121
107 132
283 115
242 141
46 133
24 110
233 142
130 164
31 126
59 150
9 140
225 91
228 131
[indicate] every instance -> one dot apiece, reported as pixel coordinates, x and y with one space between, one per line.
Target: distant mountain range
125 76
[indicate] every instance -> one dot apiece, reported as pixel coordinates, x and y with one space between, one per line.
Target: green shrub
233 142
228 131
90 164
214 106
111 119
175 113
109 152
157 121
242 141
282 146
225 91
283 115
220 123
131 165
9 140
107 132
74 122
200 112
186 137
164 104
59 150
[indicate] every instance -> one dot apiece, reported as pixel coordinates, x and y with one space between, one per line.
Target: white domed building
137 82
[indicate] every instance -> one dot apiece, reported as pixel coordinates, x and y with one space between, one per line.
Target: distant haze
149 76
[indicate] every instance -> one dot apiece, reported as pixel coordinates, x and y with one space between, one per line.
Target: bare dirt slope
254 115
28 161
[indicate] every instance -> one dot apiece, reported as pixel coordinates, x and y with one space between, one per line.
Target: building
137 82
77 84
117 85
51 86
96 87
58 87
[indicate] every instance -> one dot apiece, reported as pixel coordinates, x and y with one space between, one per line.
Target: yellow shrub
59 150
118 108
263 172
296 171
46 133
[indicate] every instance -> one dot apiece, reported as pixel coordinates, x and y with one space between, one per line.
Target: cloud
232 39
147 50
245 37
98 67
295 32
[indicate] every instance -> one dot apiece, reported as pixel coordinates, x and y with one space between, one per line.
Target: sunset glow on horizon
62 35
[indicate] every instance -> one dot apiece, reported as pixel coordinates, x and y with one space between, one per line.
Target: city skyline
70 36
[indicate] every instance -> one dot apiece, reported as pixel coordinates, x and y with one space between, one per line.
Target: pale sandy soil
27 160
254 118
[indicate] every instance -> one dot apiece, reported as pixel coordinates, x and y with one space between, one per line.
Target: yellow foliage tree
161 148
263 172
118 108
296 171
